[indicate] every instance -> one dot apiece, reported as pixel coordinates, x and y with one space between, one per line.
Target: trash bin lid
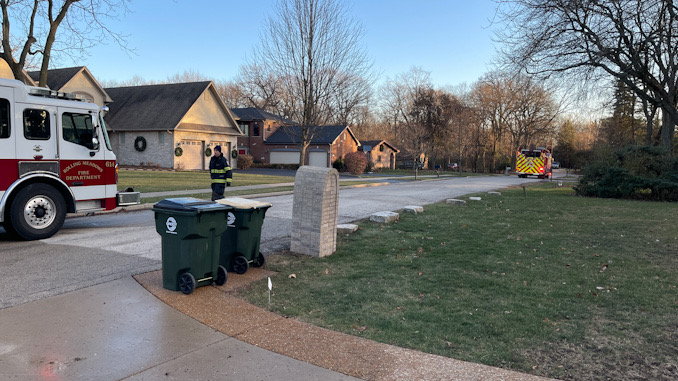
243 203
188 204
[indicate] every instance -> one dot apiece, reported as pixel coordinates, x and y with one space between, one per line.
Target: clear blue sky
449 38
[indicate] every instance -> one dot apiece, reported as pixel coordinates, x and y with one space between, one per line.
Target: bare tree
631 40
517 112
397 97
187 76
77 22
313 47
260 87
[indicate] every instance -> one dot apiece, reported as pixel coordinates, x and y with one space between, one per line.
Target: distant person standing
221 174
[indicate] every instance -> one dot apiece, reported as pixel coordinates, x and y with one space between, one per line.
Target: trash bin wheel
260 260
221 276
240 264
186 283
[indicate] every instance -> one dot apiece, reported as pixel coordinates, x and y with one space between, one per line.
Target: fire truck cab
536 162
55 158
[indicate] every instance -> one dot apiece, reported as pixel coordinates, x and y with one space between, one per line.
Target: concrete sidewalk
373 182
119 331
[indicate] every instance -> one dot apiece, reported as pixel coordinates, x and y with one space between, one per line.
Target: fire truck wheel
37 212
222 276
186 283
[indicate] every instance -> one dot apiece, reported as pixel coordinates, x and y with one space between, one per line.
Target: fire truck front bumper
128 197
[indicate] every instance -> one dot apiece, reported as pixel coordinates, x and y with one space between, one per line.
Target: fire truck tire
187 283
222 276
37 212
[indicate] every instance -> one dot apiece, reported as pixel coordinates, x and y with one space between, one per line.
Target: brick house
171 125
380 153
327 145
257 125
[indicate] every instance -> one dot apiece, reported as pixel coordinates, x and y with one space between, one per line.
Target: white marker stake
270 286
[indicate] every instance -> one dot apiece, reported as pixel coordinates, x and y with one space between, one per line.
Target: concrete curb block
385 217
346 228
494 193
454 201
413 209
475 198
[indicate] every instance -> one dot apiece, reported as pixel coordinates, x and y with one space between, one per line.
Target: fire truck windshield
104 132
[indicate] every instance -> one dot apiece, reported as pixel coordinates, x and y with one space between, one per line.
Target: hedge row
634 172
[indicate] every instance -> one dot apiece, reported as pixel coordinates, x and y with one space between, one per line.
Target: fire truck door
35 137
82 153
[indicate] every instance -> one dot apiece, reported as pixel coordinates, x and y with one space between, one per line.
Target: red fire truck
535 162
55 158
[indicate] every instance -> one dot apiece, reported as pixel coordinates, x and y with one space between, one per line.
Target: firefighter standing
220 171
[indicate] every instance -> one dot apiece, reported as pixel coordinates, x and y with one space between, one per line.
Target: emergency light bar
48 93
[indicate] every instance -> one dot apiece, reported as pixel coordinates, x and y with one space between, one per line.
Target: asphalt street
98 249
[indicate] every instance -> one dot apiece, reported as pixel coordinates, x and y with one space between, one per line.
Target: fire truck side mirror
95 143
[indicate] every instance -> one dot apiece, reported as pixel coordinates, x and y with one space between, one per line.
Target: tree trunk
668 130
302 153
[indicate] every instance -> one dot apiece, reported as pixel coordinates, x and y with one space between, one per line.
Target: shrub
633 172
370 166
245 161
339 165
355 162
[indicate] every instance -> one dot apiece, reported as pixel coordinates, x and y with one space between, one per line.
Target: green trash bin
240 242
191 231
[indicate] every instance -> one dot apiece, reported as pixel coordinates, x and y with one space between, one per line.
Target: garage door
285 157
192 156
317 159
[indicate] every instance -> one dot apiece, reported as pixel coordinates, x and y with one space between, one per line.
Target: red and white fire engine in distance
535 162
55 158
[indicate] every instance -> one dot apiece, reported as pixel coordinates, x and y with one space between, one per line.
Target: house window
379 159
255 129
381 148
4 119
245 128
161 137
122 138
36 124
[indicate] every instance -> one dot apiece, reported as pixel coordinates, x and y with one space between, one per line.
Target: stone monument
315 211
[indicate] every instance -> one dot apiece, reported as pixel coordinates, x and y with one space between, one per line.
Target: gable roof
374 143
57 78
154 107
248 114
324 135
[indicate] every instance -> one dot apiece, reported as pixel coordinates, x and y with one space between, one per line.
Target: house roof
374 143
248 114
57 78
155 107
324 135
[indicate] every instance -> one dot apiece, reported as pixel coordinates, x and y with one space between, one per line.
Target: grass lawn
157 181
549 284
